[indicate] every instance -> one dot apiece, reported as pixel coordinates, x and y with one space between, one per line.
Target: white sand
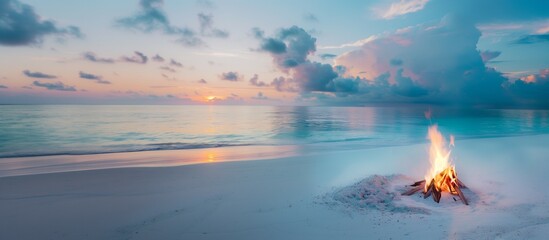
290 198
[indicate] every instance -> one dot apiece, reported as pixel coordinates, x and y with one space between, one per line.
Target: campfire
442 176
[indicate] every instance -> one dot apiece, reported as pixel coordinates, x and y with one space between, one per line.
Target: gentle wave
336 144
358 139
125 148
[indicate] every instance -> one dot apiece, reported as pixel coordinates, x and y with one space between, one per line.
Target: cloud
403 7
493 27
175 63
202 81
20 25
489 55
255 82
440 64
168 77
289 47
38 75
533 38
260 96
542 76
273 46
314 76
431 63
138 57
405 86
515 29
230 76
152 18
283 84
3 86
157 58
310 17
532 90
59 86
169 69
352 44
92 57
257 33
293 47
207 28
543 27
96 78
141 97
326 56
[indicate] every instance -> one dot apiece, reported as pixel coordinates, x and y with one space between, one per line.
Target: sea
50 130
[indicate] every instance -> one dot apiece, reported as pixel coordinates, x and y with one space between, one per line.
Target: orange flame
439 157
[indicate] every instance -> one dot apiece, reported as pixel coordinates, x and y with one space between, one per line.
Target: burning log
442 176
445 181
413 190
461 196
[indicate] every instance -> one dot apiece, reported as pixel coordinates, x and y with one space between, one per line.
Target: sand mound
373 193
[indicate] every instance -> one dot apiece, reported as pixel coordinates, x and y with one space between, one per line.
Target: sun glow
211 99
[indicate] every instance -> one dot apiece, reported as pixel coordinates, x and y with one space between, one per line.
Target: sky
474 53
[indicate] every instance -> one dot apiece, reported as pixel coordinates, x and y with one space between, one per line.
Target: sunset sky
468 52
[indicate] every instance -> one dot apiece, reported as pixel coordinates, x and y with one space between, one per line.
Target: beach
288 197
207 119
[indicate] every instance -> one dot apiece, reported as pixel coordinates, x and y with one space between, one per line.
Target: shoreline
24 166
46 164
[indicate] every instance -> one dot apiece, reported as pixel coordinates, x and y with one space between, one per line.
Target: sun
211 99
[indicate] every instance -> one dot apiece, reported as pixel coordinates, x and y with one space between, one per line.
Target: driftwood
453 187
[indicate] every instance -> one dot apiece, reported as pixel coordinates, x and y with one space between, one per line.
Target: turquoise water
36 130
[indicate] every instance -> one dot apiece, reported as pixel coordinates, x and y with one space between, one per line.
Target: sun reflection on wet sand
210 156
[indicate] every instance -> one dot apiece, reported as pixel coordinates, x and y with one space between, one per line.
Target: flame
441 176
441 167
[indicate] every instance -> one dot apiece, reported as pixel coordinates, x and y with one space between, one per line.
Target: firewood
436 195
429 190
418 183
413 190
461 196
445 181
460 184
